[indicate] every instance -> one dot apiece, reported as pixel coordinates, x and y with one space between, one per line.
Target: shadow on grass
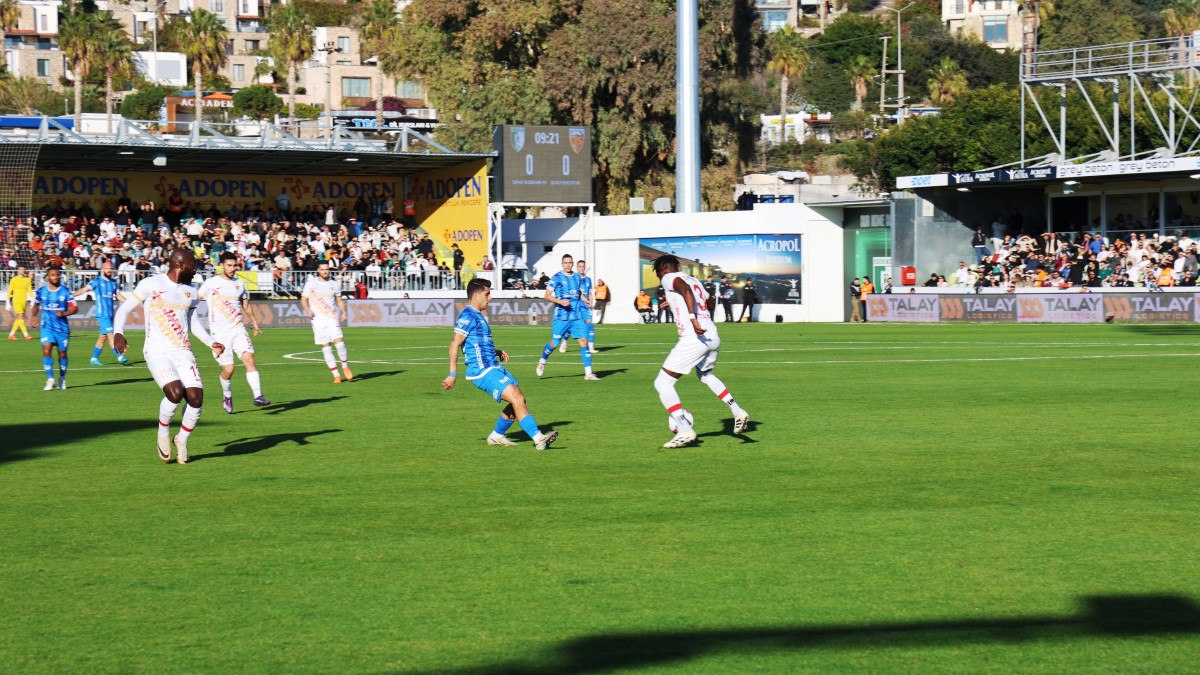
277 408
1105 616
378 373
25 441
249 446
113 383
599 373
1172 329
728 431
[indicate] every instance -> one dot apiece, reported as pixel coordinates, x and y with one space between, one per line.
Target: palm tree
789 58
10 16
114 51
948 82
861 71
291 44
77 31
204 37
377 25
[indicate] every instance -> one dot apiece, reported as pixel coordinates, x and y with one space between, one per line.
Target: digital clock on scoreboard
542 164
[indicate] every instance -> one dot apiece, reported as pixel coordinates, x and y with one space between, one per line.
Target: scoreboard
542 164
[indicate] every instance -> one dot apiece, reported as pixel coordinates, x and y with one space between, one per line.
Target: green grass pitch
949 497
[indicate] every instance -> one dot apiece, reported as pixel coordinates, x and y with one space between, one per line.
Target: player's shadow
1172 329
278 408
599 373
1111 617
609 349
128 380
728 431
358 377
251 445
27 441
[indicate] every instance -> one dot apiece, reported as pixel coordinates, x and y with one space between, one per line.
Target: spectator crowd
1136 260
140 238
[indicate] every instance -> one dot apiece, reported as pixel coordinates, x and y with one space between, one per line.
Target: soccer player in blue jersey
568 318
474 336
54 303
106 288
587 294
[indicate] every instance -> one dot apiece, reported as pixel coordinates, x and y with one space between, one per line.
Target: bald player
107 290
169 304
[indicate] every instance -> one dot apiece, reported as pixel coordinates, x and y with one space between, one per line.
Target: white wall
615 259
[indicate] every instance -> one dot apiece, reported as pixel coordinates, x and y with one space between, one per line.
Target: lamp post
330 47
899 60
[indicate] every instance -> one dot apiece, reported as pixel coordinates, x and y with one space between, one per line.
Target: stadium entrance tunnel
1119 616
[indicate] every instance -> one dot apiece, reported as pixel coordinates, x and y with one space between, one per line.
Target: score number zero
566 163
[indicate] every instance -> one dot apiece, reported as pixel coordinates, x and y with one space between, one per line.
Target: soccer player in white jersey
169 304
322 302
228 309
697 349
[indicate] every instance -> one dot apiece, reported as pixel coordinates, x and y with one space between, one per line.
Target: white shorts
692 353
325 332
180 365
236 343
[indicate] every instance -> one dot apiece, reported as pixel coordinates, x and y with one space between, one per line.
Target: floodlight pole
330 47
687 107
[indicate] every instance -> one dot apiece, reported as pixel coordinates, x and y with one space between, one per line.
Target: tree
789 58
1078 23
77 37
257 101
115 55
204 37
145 104
291 44
378 24
27 95
861 72
10 16
1181 18
946 83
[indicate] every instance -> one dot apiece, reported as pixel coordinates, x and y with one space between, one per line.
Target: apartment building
31 49
996 22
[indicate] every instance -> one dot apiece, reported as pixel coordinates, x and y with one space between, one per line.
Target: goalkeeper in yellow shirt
20 289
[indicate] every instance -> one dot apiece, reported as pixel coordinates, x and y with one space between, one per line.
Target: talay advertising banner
1039 308
452 208
416 312
773 260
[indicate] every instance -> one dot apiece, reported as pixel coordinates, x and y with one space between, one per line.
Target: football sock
255 382
503 424
96 351
665 384
591 334
48 366
226 387
62 366
327 352
718 387
530 426
190 417
342 353
586 356
548 351
116 353
166 410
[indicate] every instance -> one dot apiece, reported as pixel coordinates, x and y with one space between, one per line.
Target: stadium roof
275 152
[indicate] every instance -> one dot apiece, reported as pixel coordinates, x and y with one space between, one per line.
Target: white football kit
692 351
169 309
226 321
322 300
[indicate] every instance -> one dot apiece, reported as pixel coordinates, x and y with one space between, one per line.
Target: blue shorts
106 325
494 382
573 327
59 340
584 313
